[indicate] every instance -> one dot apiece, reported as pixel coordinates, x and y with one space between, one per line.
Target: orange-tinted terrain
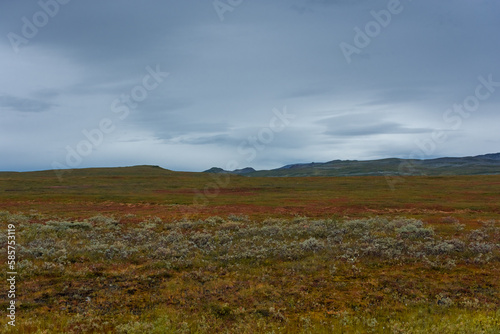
146 250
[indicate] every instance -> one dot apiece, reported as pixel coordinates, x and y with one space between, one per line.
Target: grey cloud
161 108
366 125
46 94
379 128
307 92
217 139
100 85
175 130
402 95
309 6
14 103
226 78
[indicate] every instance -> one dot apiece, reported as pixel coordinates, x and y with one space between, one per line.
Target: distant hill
475 165
486 164
117 172
243 171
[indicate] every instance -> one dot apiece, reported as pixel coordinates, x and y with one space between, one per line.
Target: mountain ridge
486 164
469 165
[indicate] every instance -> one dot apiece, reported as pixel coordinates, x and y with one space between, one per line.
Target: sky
188 85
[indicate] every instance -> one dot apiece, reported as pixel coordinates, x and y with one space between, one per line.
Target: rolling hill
475 165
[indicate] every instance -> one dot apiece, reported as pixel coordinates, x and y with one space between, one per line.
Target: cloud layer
76 91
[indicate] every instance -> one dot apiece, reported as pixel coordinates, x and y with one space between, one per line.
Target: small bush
312 245
65 225
414 231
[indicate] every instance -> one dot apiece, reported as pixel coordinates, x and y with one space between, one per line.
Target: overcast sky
192 84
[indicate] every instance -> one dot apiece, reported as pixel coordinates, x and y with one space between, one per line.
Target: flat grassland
147 250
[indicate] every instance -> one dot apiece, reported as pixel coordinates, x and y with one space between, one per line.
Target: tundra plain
147 250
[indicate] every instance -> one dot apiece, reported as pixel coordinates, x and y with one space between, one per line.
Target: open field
152 191
126 251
